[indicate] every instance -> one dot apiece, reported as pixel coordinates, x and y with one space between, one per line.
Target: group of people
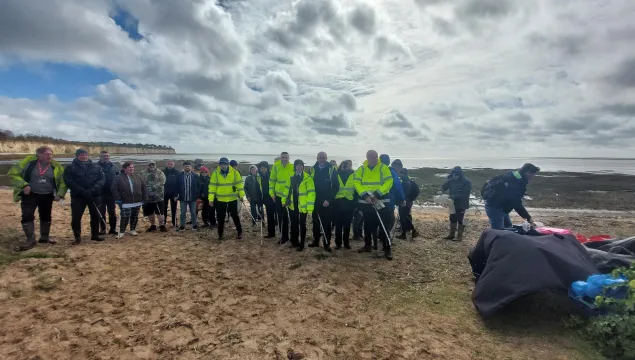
281 196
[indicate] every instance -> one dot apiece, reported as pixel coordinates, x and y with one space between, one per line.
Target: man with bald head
326 186
373 182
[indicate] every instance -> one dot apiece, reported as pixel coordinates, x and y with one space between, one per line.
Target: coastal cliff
28 147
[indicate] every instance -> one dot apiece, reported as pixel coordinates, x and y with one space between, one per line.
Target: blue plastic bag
595 285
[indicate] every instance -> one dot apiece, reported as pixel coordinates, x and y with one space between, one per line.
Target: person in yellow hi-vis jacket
281 172
226 186
344 204
300 200
372 182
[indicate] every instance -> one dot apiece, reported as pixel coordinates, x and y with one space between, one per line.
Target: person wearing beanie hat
281 172
37 181
189 191
85 179
411 189
397 196
505 193
344 204
460 189
299 201
171 190
206 209
254 193
268 203
326 186
233 164
226 187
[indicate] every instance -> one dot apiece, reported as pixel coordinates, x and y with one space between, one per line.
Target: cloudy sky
428 78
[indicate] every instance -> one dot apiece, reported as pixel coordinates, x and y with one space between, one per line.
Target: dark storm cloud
395 119
334 125
275 122
443 27
618 109
624 75
363 19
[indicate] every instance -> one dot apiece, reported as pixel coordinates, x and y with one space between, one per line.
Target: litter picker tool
383 227
101 217
322 230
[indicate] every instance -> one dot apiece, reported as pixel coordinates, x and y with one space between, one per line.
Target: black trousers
283 219
78 206
298 227
42 202
358 223
230 208
325 214
207 214
270 207
107 205
372 225
343 220
170 199
458 216
405 217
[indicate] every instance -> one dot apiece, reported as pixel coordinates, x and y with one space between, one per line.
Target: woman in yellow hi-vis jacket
300 201
226 186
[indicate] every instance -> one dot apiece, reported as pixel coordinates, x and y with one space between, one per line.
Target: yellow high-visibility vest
347 190
306 194
278 179
377 180
226 188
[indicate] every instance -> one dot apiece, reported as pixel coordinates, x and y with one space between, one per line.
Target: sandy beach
190 296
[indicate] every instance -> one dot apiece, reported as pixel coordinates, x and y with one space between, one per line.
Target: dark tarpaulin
609 255
509 266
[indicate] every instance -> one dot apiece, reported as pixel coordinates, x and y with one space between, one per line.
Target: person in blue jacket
396 192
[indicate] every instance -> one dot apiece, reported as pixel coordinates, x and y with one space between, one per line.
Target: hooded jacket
325 181
171 187
263 180
513 188
155 184
459 189
20 175
377 181
252 186
110 173
84 176
396 192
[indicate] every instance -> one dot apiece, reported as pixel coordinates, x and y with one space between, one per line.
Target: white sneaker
134 233
119 236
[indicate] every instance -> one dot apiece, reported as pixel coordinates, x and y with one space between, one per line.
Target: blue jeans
192 206
498 219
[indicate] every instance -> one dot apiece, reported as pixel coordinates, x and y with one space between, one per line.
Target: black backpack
492 187
413 191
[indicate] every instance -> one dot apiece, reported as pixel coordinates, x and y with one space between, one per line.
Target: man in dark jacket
189 191
206 212
267 201
460 189
505 193
86 180
326 187
253 193
405 212
171 190
107 201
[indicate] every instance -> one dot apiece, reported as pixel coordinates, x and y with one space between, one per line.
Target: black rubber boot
314 243
45 230
300 245
452 232
459 236
29 231
388 253
78 238
415 233
96 237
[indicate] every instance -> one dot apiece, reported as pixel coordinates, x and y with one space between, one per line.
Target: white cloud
482 75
